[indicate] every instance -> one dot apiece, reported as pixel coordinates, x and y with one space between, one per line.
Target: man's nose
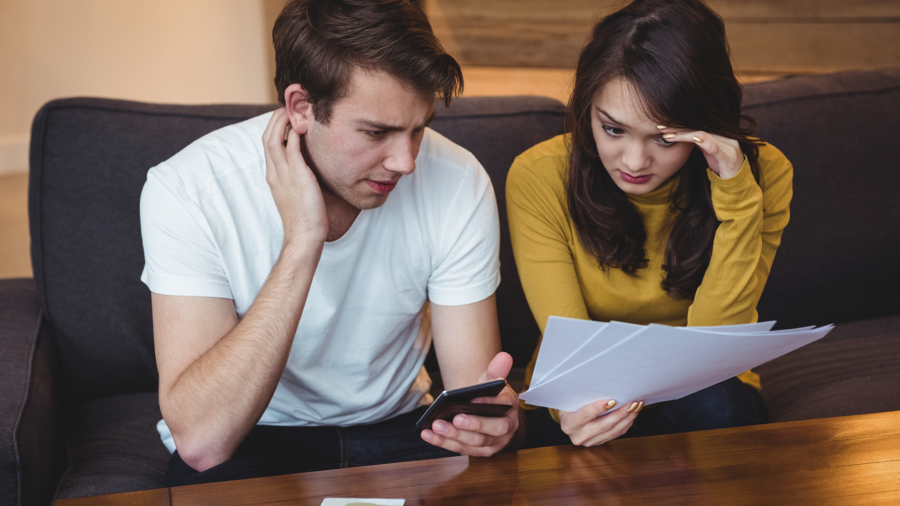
402 157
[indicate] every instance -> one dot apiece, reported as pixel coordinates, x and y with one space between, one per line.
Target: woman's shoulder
774 167
545 162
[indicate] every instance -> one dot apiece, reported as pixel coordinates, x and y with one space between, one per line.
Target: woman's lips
383 187
634 179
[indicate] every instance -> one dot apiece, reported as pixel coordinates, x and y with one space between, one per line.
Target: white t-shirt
211 229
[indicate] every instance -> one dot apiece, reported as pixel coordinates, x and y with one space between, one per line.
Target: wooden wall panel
813 47
766 36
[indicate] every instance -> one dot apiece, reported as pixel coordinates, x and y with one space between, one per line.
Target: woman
656 207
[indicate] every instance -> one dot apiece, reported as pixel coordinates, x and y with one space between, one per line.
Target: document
581 361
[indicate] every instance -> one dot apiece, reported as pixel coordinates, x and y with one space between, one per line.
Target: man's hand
294 187
584 427
478 435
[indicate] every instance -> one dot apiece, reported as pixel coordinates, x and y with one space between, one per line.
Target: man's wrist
299 251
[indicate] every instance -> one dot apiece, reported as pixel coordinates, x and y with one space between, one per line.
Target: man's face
371 141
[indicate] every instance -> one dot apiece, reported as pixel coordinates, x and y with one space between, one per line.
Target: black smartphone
454 402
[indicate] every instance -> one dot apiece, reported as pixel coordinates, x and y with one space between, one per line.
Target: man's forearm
218 398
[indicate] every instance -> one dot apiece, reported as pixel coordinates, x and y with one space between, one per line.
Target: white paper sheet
659 363
566 336
608 335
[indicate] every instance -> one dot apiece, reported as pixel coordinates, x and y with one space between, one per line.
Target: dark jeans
730 403
269 450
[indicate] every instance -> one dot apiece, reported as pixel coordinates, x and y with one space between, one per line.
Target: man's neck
341 215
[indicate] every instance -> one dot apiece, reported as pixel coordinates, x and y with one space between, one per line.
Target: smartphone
454 402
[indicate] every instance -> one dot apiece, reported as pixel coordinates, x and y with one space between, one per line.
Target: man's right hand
586 427
294 187
218 372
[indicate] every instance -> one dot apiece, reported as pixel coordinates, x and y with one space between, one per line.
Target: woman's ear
299 109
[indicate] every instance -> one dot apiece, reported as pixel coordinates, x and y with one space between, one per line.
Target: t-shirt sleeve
180 257
467 236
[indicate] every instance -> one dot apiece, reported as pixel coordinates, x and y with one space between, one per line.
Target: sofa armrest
30 411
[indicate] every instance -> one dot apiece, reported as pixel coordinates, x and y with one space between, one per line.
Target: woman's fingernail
609 405
670 136
661 127
439 426
640 407
632 407
461 421
698 139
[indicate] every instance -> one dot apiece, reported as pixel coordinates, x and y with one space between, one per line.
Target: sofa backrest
89 161
838 259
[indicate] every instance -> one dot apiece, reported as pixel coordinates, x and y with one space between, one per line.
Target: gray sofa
78 376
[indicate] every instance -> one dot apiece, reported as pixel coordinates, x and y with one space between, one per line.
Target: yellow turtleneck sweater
561 278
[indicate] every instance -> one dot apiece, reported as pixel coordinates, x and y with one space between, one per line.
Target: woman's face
630 145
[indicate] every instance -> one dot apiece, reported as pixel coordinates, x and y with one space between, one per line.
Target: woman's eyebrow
610 118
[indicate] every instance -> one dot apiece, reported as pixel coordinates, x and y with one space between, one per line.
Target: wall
194 51
767 37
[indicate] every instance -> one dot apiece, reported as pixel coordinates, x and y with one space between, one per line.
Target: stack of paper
583 361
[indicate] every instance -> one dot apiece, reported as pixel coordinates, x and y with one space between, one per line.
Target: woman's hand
294 187
723 155
584 427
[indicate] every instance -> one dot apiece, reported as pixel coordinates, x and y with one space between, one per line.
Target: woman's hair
318 43
674 55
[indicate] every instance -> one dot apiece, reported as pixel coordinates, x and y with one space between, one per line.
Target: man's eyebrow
610 118
375 125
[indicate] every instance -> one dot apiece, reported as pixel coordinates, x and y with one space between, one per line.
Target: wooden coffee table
845 460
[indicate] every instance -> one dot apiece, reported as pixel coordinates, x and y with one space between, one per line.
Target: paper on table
663 363
346 501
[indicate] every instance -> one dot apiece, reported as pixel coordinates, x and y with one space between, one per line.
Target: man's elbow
198 454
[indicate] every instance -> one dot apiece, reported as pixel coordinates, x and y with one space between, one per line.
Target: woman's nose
635 157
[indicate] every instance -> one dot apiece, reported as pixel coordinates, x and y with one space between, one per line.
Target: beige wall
179 51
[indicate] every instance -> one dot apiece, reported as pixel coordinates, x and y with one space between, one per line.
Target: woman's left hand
723 155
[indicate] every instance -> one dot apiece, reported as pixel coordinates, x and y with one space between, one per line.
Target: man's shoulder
233 150
444 166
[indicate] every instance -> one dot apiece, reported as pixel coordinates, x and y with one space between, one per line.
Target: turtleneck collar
660 195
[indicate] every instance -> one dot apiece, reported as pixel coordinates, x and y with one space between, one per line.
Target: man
291 259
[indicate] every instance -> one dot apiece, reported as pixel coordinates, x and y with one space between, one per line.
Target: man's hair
318 44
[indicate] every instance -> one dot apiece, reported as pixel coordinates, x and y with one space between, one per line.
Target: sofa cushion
113 446
839 130
30 421
851 371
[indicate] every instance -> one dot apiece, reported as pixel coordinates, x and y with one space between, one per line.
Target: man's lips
634 179
383 187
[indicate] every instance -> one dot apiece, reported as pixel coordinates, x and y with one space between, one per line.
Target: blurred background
213 51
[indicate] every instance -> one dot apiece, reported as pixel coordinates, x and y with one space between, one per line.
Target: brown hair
674 54
318 43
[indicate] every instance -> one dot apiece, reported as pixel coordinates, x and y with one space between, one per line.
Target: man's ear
298 108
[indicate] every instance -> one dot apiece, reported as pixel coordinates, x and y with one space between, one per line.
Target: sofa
78 375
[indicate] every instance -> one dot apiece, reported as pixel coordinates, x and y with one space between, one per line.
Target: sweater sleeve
538 228
753 217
